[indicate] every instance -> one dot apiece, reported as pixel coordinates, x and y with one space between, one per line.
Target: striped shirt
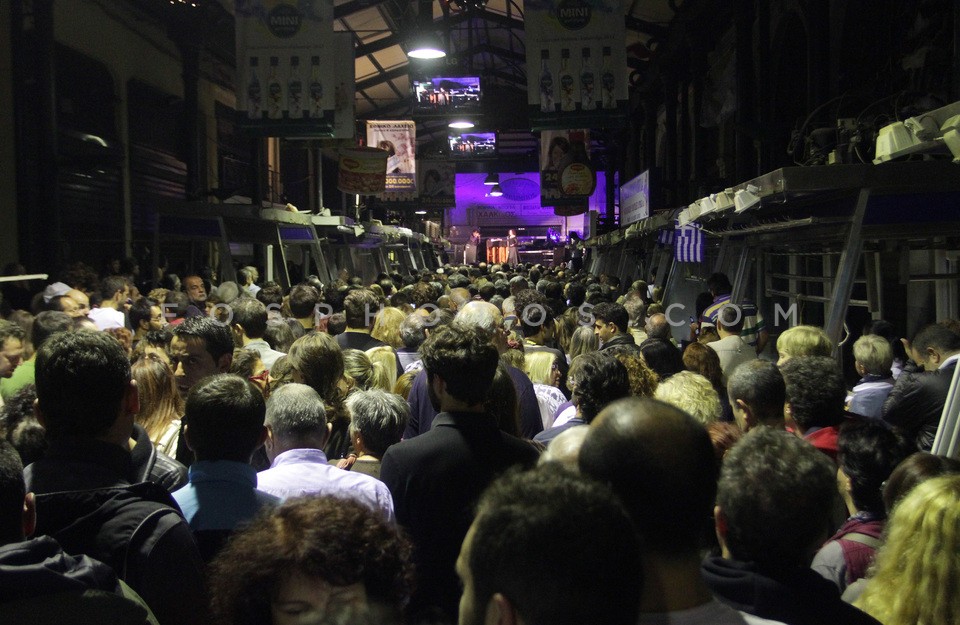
753 323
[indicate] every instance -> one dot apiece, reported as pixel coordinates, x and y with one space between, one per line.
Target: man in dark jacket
612 326
916 402
437 477
87 402
487 318
775 503
39 583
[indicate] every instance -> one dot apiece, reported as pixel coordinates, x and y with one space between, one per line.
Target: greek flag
688 246
665 238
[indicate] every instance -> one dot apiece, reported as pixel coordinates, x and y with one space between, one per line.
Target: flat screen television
473 144
446 93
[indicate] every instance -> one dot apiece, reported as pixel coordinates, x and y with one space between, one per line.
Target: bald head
658 327
660 461
477 314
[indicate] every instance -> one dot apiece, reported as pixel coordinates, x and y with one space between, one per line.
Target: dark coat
86 502
916 402
436 480
793 595
39 584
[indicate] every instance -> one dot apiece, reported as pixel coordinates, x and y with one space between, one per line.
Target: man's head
82 300
296 419
531 308
11 346
146 315
18 516
868 454
460 362
815 391
303 301
413 330
114 288
525 558
719 284
775 500
84 389
378 418
194 288
660 461
756 392
636 308
610 320
730 320
48 323
596 379
657 327
485 317
224 418
249 317
360 307
934 344
201 347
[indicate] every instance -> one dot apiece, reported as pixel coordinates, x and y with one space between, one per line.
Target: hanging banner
635 199
285 76
577 62
362 171
399 140
436 184
566 177
344 92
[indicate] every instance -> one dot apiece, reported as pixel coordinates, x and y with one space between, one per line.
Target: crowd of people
479 444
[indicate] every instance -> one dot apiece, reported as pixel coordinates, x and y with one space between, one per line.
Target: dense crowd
475 444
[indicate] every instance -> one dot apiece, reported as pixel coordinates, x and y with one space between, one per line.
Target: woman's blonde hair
922 543
539 366
584 340
804 341
160 402
384 361
874 353
692 393
364 373
386 326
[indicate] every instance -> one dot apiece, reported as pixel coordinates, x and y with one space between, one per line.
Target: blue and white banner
665 238
688 244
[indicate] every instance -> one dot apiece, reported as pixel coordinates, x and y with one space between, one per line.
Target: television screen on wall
473 144
445 93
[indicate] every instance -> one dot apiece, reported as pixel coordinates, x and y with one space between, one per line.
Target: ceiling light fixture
496 191
461 123
426 46
491 180
420 212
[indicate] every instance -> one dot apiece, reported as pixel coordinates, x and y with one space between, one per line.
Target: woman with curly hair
692 393
922 543
312 560
317 361
643 379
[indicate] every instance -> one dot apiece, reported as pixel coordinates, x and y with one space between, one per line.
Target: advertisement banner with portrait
285 77
399 140
576 61
567 178
437 182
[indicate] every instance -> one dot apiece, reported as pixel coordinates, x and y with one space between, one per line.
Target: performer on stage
513 258
470 252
